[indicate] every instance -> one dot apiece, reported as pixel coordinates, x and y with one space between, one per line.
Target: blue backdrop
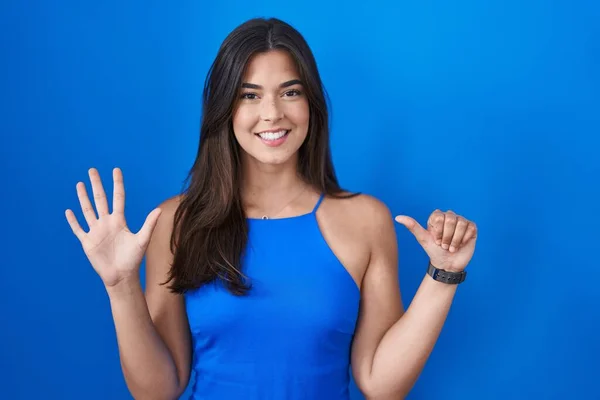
490 109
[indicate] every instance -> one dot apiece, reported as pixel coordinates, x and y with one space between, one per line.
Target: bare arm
152 330
401 355
391 347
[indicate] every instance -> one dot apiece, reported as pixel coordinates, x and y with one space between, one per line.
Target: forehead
273 66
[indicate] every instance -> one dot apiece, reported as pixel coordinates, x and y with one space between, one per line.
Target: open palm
113 250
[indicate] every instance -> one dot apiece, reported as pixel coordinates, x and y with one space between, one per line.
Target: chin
274 159
283 154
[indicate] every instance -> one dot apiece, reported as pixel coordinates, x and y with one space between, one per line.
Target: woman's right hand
113 250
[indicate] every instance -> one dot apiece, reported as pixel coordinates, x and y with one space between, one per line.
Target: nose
270 111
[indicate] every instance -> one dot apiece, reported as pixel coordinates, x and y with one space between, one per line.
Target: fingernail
445 246
452 249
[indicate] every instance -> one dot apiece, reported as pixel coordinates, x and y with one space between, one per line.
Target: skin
270 179
391 345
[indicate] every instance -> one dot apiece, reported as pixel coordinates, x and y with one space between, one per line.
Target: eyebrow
247 85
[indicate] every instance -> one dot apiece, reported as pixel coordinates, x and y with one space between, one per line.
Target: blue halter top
290 337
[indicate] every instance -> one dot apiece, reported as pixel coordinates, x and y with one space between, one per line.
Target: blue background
490 109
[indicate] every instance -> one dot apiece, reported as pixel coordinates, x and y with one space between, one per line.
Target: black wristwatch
442 275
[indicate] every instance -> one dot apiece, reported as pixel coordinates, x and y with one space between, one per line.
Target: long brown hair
211 226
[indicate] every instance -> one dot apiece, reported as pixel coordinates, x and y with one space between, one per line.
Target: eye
249 96
292 93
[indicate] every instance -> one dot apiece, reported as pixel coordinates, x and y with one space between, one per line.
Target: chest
298 287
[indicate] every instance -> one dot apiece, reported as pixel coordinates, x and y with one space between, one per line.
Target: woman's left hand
449 239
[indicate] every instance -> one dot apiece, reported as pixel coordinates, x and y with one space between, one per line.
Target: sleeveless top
290 336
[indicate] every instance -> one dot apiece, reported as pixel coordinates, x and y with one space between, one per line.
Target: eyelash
295 91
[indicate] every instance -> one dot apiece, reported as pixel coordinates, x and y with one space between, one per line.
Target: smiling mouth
272 136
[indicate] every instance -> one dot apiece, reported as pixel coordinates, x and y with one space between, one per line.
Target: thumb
414 227
145 233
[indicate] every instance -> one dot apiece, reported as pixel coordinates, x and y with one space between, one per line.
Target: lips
273 135
273 138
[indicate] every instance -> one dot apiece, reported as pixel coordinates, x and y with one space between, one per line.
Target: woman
264 276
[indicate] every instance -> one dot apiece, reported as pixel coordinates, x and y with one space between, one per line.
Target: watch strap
444 276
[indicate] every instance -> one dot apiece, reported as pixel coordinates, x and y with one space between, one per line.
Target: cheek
243 120
298 114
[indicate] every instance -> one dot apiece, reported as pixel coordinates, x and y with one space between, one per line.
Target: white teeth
272 135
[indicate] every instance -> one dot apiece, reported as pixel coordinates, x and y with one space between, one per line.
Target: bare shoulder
169 206
352 226
158 254
364 212
164 226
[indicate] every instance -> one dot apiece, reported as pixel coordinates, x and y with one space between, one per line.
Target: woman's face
270 120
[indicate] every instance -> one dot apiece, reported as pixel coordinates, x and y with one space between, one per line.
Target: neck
268 186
